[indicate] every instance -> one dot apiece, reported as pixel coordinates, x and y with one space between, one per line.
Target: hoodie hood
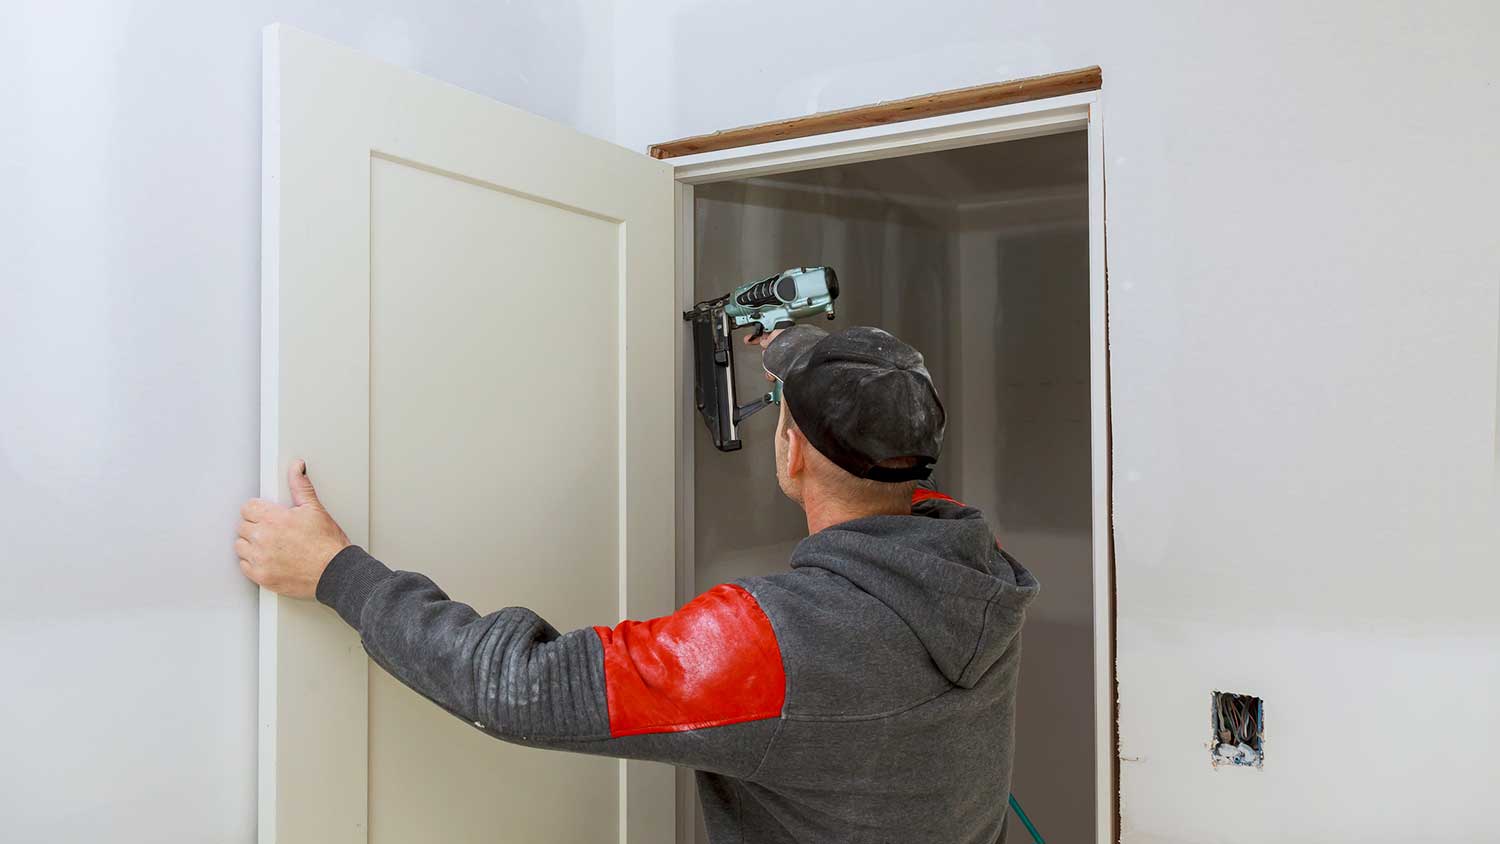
939 569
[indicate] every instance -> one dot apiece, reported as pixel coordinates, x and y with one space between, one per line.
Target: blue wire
1015 805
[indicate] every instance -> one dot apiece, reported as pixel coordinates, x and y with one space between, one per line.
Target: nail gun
763 305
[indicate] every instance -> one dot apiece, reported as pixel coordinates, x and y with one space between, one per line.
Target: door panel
460 278
468 335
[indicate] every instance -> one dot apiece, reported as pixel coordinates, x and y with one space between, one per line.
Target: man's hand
285 549
763 341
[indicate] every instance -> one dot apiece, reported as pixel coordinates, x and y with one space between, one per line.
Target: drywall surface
1023 457
1304 294
743 525
129 314
894 270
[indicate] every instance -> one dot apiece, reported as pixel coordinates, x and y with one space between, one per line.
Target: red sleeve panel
711 663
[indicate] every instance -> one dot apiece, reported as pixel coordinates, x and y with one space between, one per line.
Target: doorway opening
980 257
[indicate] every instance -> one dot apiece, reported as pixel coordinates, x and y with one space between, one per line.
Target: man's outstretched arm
701 687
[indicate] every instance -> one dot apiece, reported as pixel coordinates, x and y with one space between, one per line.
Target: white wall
129 314
1305 286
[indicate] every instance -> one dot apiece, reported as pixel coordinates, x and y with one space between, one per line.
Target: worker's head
860 422
800 467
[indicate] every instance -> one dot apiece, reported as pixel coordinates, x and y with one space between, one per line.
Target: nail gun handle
744 411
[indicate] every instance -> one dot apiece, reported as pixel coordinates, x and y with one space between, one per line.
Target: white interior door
468 333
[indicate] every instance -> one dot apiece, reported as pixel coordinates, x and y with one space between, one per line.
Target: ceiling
959 176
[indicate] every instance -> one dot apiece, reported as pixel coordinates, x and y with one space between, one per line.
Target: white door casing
467 332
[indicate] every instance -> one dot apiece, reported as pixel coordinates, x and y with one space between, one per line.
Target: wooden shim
893 111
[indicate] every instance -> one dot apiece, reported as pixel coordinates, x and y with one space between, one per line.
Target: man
866 695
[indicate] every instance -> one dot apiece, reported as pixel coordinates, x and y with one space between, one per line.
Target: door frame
1054 115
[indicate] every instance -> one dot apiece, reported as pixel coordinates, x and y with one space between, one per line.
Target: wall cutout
1239 730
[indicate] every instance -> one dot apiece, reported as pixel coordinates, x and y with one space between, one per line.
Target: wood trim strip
892 111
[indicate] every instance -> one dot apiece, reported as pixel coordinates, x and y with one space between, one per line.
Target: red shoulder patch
713 662
921 494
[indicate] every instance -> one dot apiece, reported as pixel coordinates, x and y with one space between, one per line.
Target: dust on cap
861 397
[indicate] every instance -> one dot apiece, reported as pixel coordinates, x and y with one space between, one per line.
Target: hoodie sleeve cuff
348 580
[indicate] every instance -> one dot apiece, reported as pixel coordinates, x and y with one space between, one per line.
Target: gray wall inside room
892 261
1025 458
979 258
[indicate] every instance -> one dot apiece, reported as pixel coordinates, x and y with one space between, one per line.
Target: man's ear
796 453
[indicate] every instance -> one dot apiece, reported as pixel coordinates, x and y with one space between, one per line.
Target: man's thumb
301 484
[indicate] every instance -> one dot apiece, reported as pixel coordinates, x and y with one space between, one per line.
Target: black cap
861 397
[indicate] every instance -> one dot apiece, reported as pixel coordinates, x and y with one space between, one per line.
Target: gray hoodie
866 695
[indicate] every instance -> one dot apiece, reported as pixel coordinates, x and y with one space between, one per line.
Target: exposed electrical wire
1238 729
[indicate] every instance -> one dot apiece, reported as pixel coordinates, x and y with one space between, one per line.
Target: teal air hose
1015 806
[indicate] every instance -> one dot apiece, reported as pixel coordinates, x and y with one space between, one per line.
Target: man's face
792 487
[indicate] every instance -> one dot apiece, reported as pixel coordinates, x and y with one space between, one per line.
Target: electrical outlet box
1238 730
